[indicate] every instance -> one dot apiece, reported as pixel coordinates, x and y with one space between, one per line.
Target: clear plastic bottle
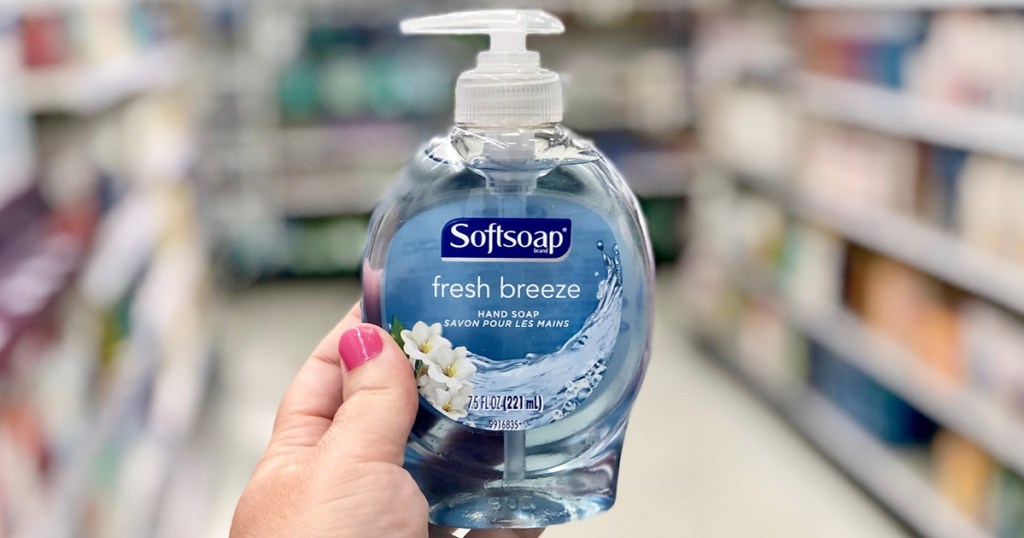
512 263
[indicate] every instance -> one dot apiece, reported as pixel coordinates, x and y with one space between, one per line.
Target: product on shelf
858 169
876 408
767 347
939 187
326 246
731 46
988 212
646 92
759 233
861 44
1008 506
348 72
16 136
966 59
994 346
753 129
297 91
747 231
811 270
963 473
92 34
910 309
959 57
342 90
710 296
44 40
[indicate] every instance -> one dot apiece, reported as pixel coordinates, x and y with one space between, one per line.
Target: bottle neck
509 157
505 130
503 145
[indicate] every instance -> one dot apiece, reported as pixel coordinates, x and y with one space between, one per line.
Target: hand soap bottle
512 264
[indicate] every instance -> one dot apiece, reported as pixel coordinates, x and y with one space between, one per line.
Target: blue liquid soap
511 262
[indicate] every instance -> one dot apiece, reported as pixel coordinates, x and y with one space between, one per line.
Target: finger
313 397
380 398
505 533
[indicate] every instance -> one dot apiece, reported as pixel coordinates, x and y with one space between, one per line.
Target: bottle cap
508 87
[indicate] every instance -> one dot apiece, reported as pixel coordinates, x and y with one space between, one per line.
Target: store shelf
932 251
958 406
160 374
949 259
34 280
898 113
124 246
357 193
60 511
905 4
35 6
29 6
330 194
879 469
170 162
557 6
340 167
136 378
87 89
159 452
729 58
658 173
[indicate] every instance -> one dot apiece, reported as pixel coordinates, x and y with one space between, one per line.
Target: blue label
506 239
504 346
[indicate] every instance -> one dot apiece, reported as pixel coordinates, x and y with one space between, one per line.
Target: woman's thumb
379 398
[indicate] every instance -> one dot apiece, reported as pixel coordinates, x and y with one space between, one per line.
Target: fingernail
358 345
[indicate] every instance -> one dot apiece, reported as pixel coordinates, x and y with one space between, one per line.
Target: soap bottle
512 264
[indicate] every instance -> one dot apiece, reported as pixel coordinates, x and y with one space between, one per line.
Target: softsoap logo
496 239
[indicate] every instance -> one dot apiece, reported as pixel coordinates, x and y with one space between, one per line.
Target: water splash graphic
565 377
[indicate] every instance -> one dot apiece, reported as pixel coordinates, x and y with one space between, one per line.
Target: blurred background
834 190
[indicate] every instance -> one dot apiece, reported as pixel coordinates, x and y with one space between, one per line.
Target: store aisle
703 458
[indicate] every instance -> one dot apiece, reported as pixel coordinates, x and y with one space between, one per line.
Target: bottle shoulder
425 183
519 160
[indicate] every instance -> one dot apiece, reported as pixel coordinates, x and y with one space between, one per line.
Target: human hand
333 467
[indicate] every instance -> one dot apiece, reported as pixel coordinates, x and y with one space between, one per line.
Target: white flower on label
451 369
424 341
442 373
428 386
438 355
451 401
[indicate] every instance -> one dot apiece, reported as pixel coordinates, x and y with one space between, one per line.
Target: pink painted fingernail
358 345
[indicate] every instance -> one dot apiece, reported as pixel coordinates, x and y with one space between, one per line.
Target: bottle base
517 507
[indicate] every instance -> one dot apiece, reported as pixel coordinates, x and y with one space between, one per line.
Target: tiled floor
702 458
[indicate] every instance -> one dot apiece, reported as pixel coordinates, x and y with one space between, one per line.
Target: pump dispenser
508 86
511 263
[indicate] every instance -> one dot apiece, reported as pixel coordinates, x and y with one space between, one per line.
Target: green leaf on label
396 332
416 369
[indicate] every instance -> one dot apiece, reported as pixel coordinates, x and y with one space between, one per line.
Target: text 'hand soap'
511 263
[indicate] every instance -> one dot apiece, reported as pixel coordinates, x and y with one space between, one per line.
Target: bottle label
507 322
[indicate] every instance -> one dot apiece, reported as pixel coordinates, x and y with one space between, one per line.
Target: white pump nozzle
508 86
